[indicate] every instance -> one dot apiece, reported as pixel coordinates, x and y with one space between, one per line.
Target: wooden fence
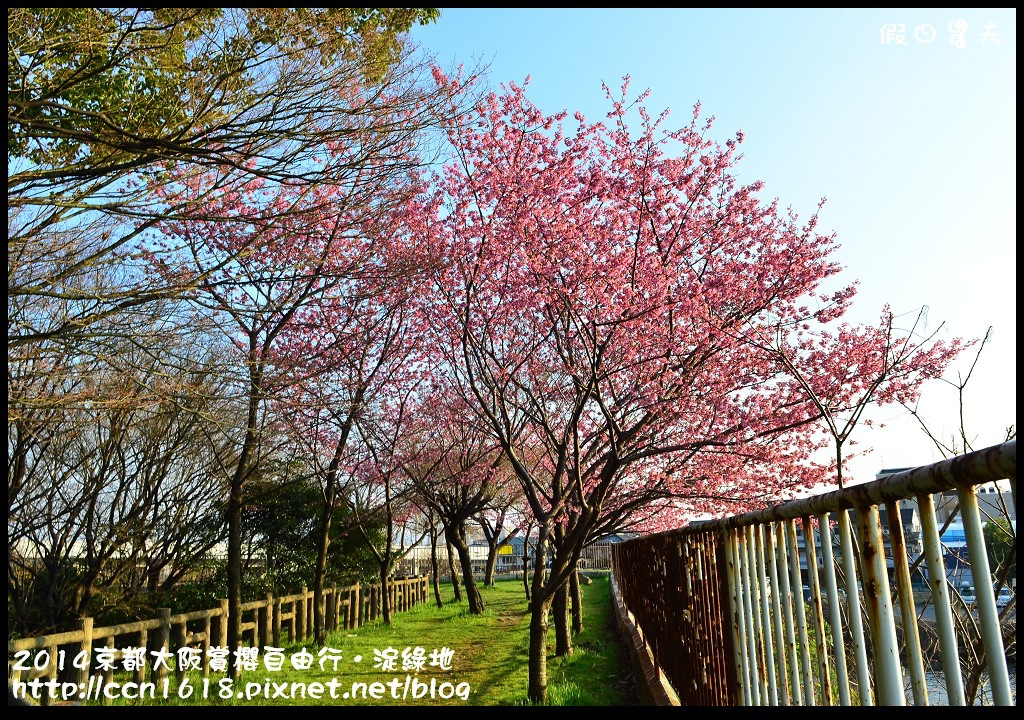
72 656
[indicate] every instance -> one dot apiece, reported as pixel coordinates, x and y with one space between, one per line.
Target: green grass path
485 662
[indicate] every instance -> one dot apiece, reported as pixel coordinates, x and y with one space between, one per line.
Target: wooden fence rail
76 655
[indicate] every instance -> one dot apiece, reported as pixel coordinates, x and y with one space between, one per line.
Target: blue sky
912 142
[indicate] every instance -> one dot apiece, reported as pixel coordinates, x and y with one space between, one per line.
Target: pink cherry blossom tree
457 469
604 304
846 371
358 345
500 520
382 495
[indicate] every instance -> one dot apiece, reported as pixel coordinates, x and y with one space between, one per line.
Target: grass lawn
463 660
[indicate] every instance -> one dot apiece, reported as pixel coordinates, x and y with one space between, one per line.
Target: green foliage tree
281 535
98 91
102 102
1001 543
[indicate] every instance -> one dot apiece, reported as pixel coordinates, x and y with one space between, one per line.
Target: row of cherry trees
594 322
602 315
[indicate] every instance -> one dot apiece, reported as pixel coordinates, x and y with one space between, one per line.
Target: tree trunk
235 500
324 540
451 569
84 592
538 673
560 607
540 605
153 578
458 539
492 561
560 611
234 570
435 566
385 594
322 546
576 595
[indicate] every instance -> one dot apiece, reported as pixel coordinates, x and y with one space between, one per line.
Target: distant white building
994 501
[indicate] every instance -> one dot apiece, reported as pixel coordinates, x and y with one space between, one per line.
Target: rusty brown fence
798 604
71 656
672 586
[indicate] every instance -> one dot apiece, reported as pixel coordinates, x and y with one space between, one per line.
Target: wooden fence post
108 677
162 641
307 601
346 604
48 673
356 606
207 640
140 669
300 616
277 622
266 621
85 625
222 625
307 613
180 636
332 624
324 604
